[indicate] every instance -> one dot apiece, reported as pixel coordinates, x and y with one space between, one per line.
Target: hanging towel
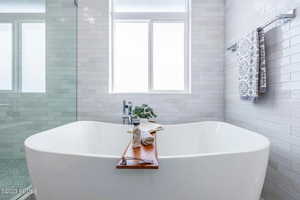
252 65
262 63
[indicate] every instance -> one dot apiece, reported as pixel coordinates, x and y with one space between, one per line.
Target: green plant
144 111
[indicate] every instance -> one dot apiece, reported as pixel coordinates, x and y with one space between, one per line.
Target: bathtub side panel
234 177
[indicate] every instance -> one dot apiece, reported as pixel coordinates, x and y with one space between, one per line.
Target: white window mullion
111 52
150 75
187 45
18 56
187 40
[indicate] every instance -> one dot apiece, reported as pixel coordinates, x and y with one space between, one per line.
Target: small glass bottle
137 135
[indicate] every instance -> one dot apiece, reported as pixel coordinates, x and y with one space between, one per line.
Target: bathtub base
93 178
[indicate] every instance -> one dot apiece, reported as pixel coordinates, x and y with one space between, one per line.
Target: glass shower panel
37 80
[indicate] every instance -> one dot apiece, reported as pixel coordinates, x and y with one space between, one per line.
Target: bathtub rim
264 147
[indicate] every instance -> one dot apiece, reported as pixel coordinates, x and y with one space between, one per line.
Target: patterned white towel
252 65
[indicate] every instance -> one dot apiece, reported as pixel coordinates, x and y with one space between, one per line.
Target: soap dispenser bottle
137 135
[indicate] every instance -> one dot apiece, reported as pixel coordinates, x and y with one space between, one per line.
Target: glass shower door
37 80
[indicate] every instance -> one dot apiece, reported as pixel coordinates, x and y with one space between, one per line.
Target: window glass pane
168 56
6 56
33 57
149 5
130 59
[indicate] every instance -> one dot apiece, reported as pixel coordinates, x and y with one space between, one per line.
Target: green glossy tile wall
24 114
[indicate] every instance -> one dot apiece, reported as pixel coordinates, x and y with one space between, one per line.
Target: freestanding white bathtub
198 161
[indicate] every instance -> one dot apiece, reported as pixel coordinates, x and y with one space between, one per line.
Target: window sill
153 92
23 93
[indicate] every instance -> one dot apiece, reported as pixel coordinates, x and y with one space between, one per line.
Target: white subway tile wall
277 115
207 59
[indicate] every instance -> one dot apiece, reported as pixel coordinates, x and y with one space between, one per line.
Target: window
6 56
149 46
168 56
135 36
23 56
33 57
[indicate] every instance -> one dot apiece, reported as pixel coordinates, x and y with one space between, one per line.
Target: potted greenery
144 113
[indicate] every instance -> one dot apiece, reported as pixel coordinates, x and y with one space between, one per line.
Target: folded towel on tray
147 138
151 127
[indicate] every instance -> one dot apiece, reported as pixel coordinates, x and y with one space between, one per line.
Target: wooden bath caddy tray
145 157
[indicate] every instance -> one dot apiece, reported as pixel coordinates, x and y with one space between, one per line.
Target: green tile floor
14 178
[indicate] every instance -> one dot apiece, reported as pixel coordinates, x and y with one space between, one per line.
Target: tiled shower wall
23 114
206 100
277 115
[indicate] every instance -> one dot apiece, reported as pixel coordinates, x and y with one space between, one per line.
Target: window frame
150 18
16 19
